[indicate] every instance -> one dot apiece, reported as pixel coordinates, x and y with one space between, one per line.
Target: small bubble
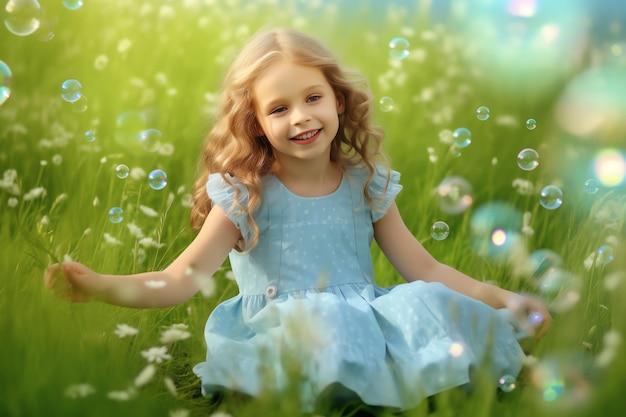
116 215
439 230
71 90
90 135
5 82
386 104
531 124
528 159
535 318
157 179
454 194
462 137
560 289
150 139
483 113
592 186
507 383
399 48
22 17
551 197
605 254
122 171
80 105
73 4
542 260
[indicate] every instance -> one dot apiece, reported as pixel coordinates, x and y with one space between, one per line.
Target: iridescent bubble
551 197
564 380
80 105
542 260
462 137
535 318
483 113
399 48
116 215
71 90
5 82
605 255
22 17
386 104
528 159
560 288
454 194
90 135
496 230
610 167
128 128
439 230
507 383
151 139
157 179
592 186
73 4
531 124
122 171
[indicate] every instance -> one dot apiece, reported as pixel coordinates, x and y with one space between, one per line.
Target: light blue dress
309 314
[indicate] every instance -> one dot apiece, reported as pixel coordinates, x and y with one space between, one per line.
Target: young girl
293 189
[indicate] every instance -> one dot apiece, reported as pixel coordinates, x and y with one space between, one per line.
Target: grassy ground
160 64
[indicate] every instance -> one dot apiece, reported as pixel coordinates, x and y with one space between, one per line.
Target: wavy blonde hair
236 145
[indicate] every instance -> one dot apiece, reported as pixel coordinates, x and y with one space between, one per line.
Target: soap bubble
528 159
90 135
157 179
531 124
605 255
22 17
80 105
506 383
551 197
592 186
454 194
122 171
116 215
5 82
73 4
495 230
439 230
71 90
542 260
399 48
560 288
386 104
482 113
150 139
462 137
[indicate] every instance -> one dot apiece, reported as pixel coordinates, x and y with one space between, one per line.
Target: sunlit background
506 118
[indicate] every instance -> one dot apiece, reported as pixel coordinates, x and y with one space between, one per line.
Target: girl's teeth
306 136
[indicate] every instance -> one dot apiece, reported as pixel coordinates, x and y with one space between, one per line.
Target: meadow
75 185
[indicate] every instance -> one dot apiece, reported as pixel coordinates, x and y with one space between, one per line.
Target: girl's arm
172 286
414 262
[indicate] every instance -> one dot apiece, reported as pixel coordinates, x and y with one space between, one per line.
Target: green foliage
164 61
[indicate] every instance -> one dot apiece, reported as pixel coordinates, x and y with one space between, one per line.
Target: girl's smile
307 137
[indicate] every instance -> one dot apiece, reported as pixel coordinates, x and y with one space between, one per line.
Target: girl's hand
71 280
531 314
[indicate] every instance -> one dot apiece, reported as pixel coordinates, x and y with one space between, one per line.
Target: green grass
173 68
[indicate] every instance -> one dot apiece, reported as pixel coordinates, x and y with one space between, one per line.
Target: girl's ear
341 104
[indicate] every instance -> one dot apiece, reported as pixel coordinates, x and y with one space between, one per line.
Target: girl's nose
299 115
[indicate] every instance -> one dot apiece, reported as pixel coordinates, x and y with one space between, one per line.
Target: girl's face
297 110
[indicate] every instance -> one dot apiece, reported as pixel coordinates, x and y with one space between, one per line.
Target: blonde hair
235 145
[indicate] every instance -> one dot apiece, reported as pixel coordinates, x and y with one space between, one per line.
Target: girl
294 187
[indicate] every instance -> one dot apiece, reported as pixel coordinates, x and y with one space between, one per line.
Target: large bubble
496 230
5 82
22 17
454 194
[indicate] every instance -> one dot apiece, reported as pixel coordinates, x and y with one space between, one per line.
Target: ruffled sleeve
223 194
383 193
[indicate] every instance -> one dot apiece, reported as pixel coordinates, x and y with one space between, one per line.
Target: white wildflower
179 412
150 212
613 280
167 12
527 228
12 202
166 149
187 200
37 192
96 201
506 120
530 360
612 240
178 326
206 284
523 187
7 182
67 258
590 261
87 231
110 240
103 160
122 395
612 339
433 158
43 162
446 137
124 45
137 173
101 62
148 242
156 354
124 330
605 357
141 255
145 375
171 92
220 414
135 230
57 159
173 335
171 387
181 189
155 285
230 275
161 78
45 220
494 161
79 391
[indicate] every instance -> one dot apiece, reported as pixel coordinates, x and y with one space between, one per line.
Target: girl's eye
313 98
279 110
